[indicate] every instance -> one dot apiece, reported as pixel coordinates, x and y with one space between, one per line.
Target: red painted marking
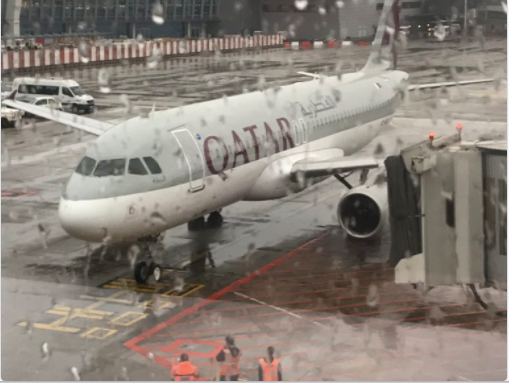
133 343
18 193
176 347
303 284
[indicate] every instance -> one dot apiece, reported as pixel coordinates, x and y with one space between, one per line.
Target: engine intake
362 211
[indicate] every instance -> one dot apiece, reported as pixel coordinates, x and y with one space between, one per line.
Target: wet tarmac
277 273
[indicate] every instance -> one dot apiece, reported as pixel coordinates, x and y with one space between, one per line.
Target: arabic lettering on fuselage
318 107
213 144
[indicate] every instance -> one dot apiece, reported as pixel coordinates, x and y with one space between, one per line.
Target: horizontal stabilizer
448 83
88 125
314 75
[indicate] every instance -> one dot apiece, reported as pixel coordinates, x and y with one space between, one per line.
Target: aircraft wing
88 125
448 83
313 167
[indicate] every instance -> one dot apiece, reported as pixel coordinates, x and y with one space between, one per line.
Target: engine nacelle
363 211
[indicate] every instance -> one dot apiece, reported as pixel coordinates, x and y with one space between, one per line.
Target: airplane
149 174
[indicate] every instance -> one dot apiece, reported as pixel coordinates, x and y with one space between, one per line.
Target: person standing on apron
229 359
269 368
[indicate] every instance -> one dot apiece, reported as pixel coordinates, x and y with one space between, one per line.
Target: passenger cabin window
41 102
86 166
106 168
152 165
67 92
136 167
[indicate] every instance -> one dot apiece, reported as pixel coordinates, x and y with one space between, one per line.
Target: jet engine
363 211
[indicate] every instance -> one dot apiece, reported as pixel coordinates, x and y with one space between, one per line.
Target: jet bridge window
86 166
136 167
114 167
152 165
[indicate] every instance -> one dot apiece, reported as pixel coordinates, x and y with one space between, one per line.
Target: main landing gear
147 268
214 221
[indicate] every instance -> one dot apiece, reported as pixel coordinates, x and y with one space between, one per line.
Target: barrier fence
89 53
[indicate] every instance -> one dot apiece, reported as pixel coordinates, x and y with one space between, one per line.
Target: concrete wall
11 25
303 25
358 19
239 15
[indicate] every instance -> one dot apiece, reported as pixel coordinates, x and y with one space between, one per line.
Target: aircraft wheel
156 271
141 273
215 220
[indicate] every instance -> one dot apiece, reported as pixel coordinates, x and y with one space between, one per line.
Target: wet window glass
152 165
41 102
77 90
136 167
86 166
114 167
67 92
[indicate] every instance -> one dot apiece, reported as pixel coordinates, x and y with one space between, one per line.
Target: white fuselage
322 133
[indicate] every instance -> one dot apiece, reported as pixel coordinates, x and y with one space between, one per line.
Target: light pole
465 19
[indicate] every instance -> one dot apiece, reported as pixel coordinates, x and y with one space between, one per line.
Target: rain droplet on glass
301 4
158 13
103 79
75 373
83 52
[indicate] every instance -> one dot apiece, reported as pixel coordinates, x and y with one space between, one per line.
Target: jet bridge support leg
343 180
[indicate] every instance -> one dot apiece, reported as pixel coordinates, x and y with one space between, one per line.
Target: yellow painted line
98 333
191 289
129 318
52 327
198 287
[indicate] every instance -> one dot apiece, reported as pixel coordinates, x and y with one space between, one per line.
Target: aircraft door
304 130
194 158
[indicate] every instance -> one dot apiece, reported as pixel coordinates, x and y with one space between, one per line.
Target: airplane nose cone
88 220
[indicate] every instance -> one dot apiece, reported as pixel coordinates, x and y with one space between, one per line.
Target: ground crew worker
184 370
229 358
269 368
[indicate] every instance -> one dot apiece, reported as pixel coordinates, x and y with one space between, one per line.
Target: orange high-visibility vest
184 371
230 366
270 370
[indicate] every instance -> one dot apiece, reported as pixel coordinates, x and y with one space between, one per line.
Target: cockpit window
86 166
152 165
110 168
136 167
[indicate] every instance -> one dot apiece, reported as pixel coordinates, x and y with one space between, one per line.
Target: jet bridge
447 202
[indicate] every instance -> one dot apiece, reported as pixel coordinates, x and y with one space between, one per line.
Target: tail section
383 45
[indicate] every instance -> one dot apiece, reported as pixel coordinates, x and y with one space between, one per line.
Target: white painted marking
278 309
26 60
37 57
5 60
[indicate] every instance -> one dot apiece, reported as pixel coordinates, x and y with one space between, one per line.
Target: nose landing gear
143 271
147 268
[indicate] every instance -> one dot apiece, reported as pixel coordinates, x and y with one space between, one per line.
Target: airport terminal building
295 19
311 19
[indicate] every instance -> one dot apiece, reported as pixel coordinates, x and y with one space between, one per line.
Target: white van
72 97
